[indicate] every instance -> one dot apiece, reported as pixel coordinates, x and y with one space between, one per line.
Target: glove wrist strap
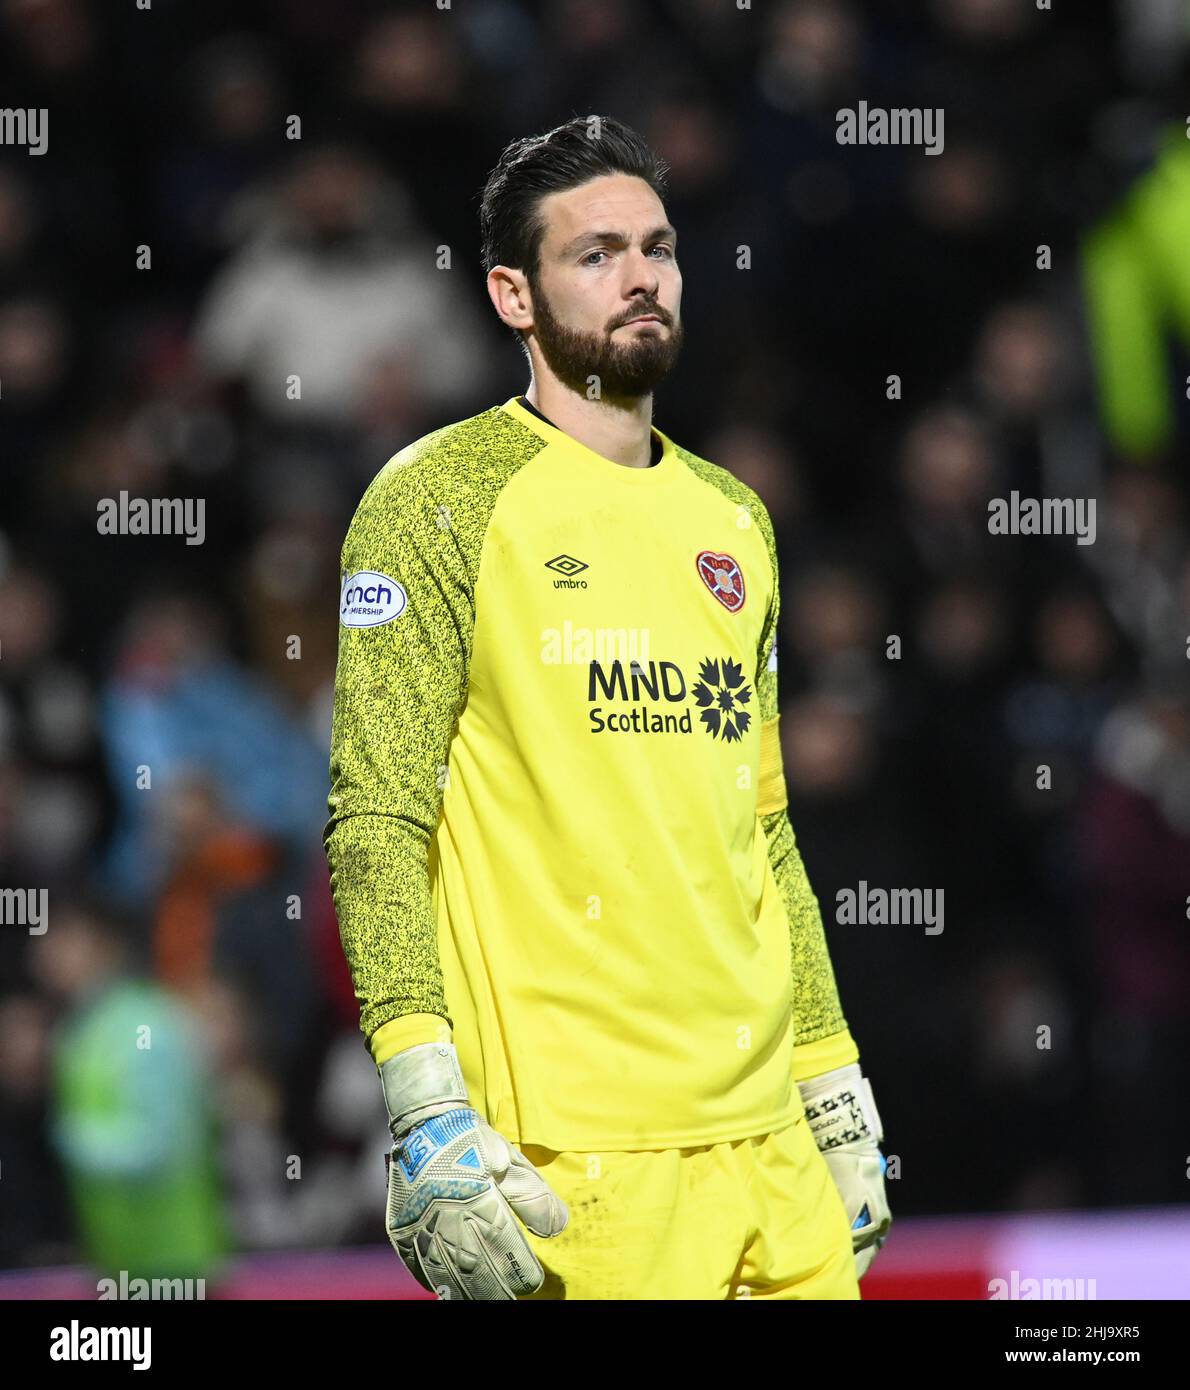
840 1108
419 1082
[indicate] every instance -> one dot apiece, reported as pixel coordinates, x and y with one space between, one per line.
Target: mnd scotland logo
721 694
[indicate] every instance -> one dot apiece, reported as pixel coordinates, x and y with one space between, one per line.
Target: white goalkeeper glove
846 1126
456 1187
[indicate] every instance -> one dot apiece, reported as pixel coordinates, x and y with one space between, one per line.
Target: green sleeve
398 690
817 1009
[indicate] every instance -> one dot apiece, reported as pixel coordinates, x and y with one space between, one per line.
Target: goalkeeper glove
846 1127
456 1187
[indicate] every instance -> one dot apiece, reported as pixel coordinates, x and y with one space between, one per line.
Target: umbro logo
567 566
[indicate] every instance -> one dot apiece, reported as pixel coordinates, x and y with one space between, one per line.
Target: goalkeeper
591 971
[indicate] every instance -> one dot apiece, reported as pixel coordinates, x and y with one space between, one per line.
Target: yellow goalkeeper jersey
558 831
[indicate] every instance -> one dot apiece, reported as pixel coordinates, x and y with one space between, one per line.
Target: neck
620 432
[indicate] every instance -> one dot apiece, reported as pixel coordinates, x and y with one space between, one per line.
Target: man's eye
664 250
587 257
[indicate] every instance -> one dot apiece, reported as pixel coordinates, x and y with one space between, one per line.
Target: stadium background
170 129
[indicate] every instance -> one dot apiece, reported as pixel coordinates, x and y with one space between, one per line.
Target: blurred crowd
247 270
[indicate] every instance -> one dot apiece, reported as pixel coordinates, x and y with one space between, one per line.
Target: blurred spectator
337 278
52 798
132 1121
226 143
177 702
231 905
1138 299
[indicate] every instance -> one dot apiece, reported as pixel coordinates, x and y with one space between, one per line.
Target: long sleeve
399 685
822 1038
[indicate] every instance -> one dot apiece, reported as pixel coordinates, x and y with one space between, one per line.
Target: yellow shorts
755 1218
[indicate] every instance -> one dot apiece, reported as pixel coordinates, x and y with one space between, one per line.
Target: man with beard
592 973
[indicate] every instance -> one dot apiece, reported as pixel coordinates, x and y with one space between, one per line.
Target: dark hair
583 148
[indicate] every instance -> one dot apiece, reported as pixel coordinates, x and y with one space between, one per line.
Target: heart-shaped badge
724 578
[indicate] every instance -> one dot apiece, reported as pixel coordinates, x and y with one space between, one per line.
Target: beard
625 370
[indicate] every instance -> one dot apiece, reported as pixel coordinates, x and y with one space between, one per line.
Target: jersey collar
663 470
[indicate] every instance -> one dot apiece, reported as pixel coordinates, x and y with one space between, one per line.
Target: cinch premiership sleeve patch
772 795
369 599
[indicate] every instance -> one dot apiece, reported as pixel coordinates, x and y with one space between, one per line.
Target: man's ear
511 296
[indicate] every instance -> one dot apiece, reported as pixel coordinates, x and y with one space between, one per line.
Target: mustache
645 309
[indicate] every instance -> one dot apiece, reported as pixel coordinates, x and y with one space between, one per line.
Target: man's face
608 256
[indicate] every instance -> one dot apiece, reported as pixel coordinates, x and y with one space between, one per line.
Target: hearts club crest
723 577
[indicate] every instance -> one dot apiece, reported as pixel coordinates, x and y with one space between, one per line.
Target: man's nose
641 279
